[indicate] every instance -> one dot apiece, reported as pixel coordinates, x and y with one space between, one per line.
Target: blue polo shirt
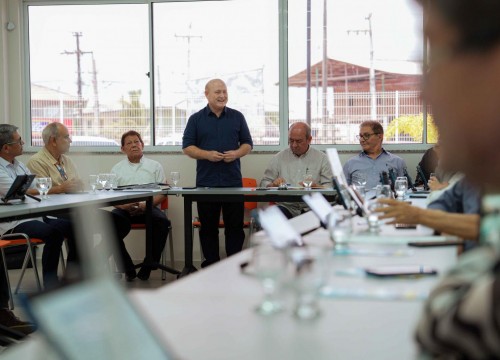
373 167
208 132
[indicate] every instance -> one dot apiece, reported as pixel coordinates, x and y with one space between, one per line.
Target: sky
224 38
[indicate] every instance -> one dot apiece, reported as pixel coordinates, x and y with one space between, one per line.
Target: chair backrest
250 182
164 204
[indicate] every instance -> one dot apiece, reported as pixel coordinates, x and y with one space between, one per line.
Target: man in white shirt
137 169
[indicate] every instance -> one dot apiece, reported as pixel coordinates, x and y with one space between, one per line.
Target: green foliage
412 125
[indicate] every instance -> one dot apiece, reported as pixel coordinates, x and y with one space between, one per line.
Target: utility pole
79 81
188 38
324 70
373 91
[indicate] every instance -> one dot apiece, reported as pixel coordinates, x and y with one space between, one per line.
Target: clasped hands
226 156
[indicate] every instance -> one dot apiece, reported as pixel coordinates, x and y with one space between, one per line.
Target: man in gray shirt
373 160
290 165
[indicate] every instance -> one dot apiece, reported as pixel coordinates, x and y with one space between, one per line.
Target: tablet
19 187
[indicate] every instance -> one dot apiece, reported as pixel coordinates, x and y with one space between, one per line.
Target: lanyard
62 172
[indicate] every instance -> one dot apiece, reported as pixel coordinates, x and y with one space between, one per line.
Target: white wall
253 165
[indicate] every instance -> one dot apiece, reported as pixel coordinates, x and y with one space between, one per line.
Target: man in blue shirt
373 160
217 137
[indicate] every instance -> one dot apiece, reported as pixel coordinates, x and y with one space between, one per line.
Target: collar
382 152
6 163
52 158
209 112
141 160
303 155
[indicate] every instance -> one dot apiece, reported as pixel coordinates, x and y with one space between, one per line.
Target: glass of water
308 180
92 183
340 227
175 176
400 186
42 186
269 264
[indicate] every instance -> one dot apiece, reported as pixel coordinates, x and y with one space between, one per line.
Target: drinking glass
103 180
372 217
309 271
93 183
49 186
359 180
42 186
308 180
175 176
340 227
112 181
401 185
269 264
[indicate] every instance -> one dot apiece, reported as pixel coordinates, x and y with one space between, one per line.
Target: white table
209 315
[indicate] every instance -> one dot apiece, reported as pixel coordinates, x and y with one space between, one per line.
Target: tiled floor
29 287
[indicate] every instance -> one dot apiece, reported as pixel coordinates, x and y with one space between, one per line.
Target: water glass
92 183
308 180
175 176
340 227
42 186
269 264
103 180
372 217
309 273
112 181
400 186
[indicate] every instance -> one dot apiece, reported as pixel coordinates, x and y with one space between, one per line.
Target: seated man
52 162
373 160
137 169
290 165
52 235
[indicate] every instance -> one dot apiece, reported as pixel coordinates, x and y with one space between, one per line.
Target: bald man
217 137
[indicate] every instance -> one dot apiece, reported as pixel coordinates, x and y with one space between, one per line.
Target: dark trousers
123 221
53 237
209 214
65 225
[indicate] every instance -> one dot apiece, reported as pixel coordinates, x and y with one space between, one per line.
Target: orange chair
164 207
249 206
14 239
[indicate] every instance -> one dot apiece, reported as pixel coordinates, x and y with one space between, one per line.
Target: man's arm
232 155
195 152
463 225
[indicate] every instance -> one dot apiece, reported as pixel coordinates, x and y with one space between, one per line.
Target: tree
412 125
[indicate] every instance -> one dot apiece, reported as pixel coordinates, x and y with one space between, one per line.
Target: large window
355 60
104 68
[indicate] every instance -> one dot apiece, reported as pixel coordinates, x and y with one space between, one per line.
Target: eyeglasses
19 141
365 136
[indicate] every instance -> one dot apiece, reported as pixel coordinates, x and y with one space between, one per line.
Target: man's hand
399 211
277 182
215 156
230 156
136 209
435 184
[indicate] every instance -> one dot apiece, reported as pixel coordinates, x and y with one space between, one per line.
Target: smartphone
400 270
405 226
416 196
188 187
436 243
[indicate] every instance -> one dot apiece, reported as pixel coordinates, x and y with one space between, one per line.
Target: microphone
411 185
420 173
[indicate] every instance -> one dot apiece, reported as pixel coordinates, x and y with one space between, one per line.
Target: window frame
282 91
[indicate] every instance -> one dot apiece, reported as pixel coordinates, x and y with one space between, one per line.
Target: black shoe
8 319
130 275
144 273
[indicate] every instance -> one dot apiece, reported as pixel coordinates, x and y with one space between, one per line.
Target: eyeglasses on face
365 136
18 141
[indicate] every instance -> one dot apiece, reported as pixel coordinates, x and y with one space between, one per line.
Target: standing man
137 169
290 165
51 162
217 137
51 234
373 160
